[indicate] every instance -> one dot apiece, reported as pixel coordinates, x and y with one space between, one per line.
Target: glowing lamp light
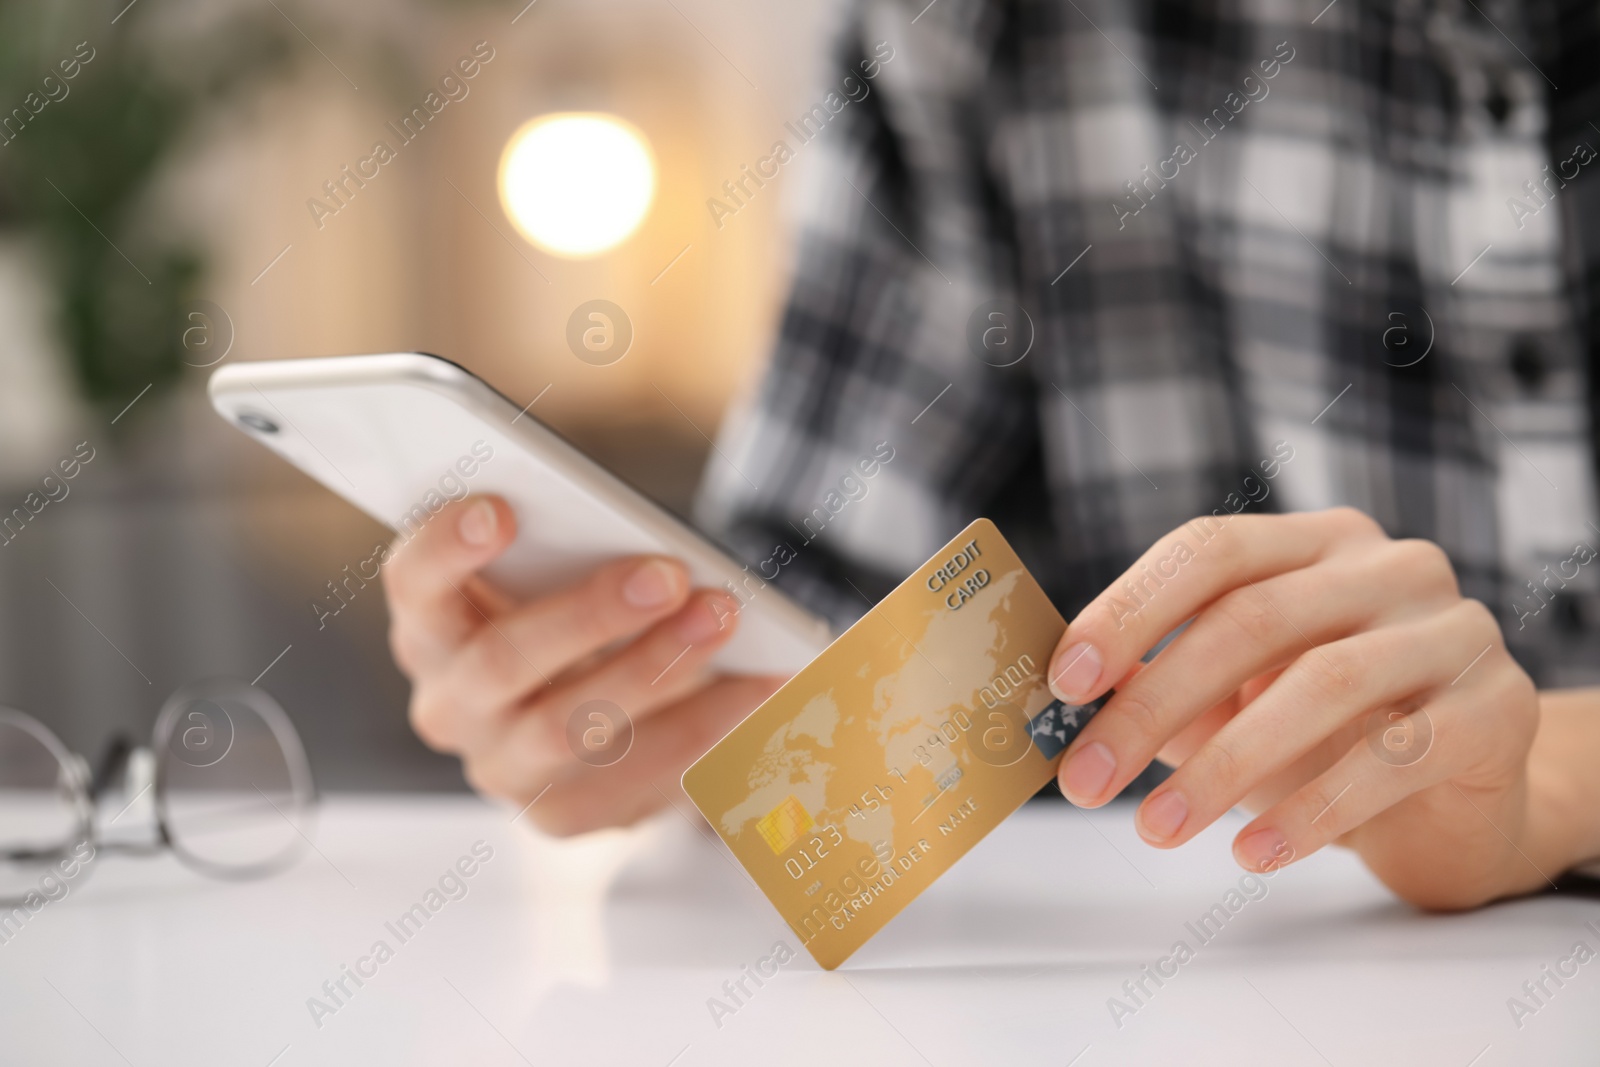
577 184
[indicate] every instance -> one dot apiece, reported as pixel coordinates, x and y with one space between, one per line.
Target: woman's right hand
496 681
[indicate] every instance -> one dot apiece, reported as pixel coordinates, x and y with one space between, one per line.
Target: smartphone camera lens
253 421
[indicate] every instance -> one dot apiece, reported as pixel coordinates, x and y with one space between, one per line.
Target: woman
1099 270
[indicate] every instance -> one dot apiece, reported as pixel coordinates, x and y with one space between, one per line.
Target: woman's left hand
1331 679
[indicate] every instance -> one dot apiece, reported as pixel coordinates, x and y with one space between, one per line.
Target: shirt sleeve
878 430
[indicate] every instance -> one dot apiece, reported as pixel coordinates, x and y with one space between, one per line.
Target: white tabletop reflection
433 930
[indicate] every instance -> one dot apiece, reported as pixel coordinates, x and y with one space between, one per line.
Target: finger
533 644
661 667
1179 575
474 694
588 798
1187 741
431 610
1371 784
664 664
1241 635
1319 693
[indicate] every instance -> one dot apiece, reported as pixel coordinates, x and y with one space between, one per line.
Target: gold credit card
897 749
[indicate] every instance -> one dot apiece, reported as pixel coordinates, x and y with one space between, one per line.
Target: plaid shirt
1199 225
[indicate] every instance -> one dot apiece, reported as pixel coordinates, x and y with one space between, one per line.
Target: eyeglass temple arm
30 855
113 762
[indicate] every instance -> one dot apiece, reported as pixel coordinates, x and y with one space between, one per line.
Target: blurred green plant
79 156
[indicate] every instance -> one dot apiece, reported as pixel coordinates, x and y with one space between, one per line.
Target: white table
605 950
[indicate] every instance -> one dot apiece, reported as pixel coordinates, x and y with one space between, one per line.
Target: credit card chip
783 825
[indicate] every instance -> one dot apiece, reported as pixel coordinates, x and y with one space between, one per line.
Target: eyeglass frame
85 789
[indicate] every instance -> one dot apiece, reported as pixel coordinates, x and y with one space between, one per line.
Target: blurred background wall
154 214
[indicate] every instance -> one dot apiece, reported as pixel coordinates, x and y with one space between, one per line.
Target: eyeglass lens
42 808
235 791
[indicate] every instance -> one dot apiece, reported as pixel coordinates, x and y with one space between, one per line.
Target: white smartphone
399 435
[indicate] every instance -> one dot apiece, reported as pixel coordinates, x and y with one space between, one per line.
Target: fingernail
1087 773
652 585
477 523
703 620
1262 850
1163 814
1073 673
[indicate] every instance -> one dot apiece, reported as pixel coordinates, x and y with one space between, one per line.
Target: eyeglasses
229 784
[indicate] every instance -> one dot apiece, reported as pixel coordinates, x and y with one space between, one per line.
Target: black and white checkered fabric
1212 220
